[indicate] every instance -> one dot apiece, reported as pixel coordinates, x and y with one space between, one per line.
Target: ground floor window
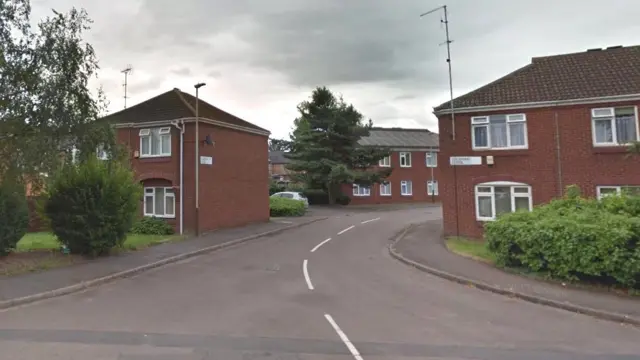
495 198
432 188
159 202
360 190
406 187
617 190
385 189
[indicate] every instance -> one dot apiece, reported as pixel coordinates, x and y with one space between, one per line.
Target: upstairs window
499 132
614 126
405 159
431 159
155 142
385 161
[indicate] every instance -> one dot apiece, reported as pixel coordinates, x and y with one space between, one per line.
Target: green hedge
92 205
151 225
286 207
14 215
573 239
316 196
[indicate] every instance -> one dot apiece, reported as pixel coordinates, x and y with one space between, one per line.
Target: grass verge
474 249
41 251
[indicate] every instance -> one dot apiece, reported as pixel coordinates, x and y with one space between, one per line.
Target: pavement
423 244
297 295
28 284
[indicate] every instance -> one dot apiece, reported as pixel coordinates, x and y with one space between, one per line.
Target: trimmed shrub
286 207
316 196
14 216
92 205
572 239
151 225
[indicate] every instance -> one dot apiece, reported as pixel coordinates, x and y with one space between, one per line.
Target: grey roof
399 137
277 157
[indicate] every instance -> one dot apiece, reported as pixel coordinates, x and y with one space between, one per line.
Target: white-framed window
159 202
432 188
495 198
155 142
361 190
385 189
614 126
603 191
385 161
405 159
102 153
406 188
431 159
499 132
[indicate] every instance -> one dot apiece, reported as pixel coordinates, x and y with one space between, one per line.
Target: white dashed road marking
322 243
345 230
344 337
368 221
306 274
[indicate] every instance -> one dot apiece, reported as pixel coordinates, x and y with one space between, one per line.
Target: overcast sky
260 58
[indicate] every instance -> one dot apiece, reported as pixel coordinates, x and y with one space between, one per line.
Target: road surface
298 295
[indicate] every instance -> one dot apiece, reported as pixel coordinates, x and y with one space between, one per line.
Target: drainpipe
558 157
181 128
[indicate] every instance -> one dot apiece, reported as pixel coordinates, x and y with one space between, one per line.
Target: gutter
539 104
179 124
193 119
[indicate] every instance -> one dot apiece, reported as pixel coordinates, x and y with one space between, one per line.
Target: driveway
348 300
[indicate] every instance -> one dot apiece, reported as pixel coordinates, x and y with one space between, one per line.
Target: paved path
33 283
348 300
424 245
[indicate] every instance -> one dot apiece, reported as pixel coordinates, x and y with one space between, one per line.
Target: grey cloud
183 71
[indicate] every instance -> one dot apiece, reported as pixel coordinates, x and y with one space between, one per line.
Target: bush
286 207
92 205
151 226
316 196
573 239
343 199
275 187
14 216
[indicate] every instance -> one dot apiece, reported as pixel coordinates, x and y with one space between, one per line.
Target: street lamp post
197 155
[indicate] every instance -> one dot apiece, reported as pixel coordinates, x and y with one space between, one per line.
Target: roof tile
590 74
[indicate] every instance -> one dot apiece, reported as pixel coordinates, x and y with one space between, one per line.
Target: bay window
495 198
499 132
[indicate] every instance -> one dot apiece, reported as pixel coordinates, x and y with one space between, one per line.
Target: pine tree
324 145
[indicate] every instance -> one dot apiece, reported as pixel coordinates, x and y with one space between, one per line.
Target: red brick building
415 168
561 120
234 165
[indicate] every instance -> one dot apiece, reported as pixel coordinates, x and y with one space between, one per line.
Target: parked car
293 195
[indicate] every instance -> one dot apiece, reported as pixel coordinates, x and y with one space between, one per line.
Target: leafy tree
634 148
279 145
46 106
324 145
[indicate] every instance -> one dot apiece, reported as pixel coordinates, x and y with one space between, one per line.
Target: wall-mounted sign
206 160
465 160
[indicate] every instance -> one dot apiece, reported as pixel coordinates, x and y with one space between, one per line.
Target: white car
293 195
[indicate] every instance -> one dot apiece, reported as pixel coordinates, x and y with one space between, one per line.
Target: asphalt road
348 300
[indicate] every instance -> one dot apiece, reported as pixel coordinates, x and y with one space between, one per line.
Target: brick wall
547 169
418 174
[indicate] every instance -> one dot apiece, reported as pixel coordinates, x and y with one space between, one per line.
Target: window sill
406 195
610 149
161 216
359 196
501 152
385 195
155 158
405 167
